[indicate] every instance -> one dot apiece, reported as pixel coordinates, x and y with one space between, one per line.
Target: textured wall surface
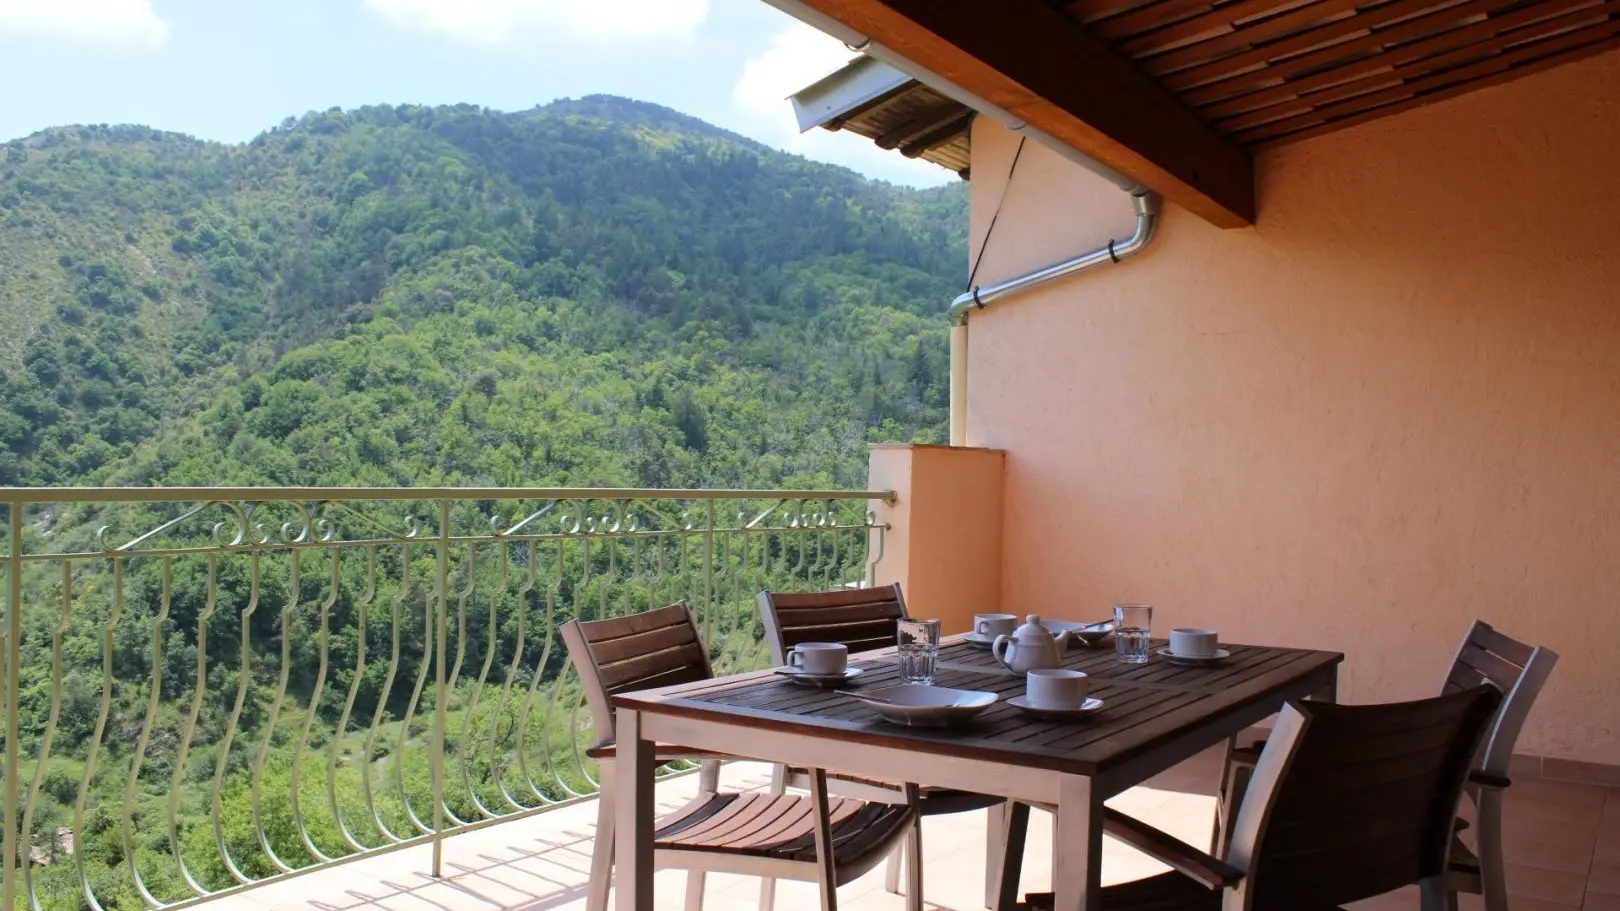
944 541
1391 407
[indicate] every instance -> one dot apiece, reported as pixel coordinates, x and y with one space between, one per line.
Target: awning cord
985 244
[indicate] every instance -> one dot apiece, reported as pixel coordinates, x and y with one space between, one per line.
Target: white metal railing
209 688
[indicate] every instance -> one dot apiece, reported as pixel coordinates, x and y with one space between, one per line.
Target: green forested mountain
594 292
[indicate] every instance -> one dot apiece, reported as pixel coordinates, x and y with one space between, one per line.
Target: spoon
867 697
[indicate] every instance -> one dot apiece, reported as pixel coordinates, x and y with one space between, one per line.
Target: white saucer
1220 655
808 679
1023 704
983 641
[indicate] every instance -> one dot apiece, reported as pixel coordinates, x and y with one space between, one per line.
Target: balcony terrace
356 699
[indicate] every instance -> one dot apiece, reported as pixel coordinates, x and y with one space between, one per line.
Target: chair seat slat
779 826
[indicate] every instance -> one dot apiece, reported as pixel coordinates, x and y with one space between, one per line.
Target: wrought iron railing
208 688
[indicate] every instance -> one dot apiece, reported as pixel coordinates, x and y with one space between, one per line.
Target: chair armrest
1248 756
662 752
1489 779
1186 859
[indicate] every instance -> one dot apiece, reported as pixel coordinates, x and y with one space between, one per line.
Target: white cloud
494 21
795 57
114 23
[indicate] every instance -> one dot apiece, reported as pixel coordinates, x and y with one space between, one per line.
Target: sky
230 69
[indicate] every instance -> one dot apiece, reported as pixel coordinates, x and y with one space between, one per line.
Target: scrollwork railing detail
222 687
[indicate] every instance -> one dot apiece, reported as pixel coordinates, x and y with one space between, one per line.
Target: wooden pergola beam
1032 61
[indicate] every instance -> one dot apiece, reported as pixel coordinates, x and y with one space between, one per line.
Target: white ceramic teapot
1030 647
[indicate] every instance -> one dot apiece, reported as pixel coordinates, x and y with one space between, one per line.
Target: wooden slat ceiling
917 121
1267 72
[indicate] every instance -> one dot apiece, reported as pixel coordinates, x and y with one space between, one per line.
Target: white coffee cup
1193 643
1057 688
989 626
819 657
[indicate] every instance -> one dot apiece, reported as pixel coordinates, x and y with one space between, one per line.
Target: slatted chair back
1517 670
1349 802
861 618
636 652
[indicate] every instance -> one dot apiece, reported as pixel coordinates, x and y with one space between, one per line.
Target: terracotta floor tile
1545 885
1530 904
1609 829
1559 793
1607 851
1524 768
1548 846
1575 806
1604 878
1408 900
1609 826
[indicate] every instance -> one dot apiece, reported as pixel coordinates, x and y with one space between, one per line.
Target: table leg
1330 691
1003 892
1077 879
634 861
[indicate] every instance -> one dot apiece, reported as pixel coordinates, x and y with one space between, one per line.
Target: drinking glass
1133 632
919 650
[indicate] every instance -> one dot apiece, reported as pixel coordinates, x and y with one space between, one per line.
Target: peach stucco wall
1391 407
943 538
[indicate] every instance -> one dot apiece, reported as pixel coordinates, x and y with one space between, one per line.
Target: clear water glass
919 650
1133 632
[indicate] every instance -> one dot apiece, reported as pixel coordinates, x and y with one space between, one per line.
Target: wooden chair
1347 802
863 619
1516 670
828 840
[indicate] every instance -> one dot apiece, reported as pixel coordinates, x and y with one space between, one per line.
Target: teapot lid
1032 627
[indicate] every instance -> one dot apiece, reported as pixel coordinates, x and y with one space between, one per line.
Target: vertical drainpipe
1147 218
959 365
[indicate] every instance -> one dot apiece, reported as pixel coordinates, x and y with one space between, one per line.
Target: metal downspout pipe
1147 219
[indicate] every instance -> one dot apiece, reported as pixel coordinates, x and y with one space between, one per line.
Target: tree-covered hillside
595 292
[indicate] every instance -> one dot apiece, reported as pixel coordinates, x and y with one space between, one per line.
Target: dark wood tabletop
1145 706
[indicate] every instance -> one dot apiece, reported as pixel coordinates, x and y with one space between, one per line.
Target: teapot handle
999 648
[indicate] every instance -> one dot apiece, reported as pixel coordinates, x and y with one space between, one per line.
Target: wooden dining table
1154 716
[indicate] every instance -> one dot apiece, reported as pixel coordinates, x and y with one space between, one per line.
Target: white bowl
916 705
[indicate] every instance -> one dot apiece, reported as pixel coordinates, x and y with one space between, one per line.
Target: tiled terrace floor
1563 842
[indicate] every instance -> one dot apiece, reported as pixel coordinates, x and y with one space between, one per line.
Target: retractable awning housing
872 99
